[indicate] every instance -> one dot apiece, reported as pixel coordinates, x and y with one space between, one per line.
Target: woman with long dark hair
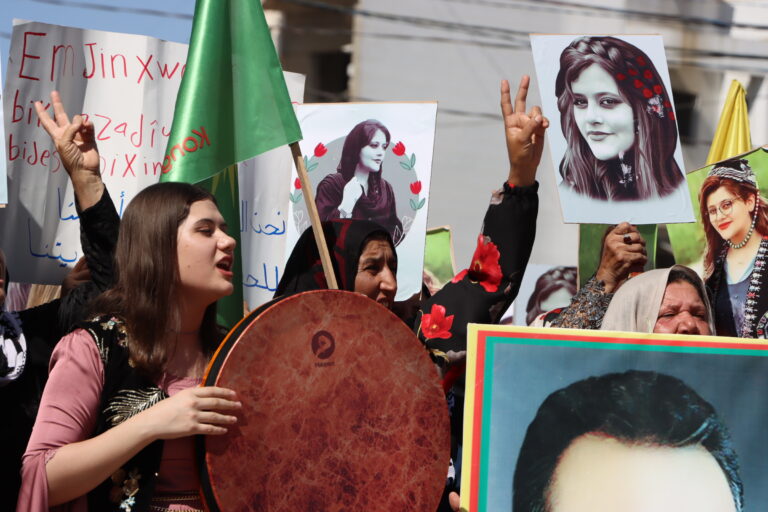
617 118
735 226
357 190
122 400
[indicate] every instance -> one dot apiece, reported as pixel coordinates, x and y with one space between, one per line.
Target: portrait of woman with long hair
357 190
735 226
618 122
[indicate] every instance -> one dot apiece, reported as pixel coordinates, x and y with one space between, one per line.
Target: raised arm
510 222
481 292
524 133
99 222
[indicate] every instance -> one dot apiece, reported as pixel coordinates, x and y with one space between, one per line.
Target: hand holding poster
617 421
617 155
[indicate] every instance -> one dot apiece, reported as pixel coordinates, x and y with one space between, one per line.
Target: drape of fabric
635 306
378 205
345 239
585 311
43 327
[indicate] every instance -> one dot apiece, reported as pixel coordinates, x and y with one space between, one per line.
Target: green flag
232 105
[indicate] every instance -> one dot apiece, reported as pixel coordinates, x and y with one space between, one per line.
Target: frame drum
342 410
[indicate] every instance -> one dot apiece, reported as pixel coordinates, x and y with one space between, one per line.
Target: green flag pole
314 217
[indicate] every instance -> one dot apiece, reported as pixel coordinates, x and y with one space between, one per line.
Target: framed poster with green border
672 422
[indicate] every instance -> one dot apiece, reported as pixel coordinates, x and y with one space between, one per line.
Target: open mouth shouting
225 266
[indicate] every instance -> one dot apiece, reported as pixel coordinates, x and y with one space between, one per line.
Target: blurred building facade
457 52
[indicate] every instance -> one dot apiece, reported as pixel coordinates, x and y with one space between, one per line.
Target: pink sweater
68 412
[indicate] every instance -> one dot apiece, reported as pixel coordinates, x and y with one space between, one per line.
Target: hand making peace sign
76 144
524 134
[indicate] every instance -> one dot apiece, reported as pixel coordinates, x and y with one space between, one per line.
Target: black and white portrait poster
614 141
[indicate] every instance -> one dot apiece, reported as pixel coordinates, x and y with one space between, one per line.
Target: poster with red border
511 371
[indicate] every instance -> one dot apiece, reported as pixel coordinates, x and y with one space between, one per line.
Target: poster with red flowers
614 141
370 161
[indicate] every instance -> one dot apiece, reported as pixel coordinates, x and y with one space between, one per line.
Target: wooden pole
314 217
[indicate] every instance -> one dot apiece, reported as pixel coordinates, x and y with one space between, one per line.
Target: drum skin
342 411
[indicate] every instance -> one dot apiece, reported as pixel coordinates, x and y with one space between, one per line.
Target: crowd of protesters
135 328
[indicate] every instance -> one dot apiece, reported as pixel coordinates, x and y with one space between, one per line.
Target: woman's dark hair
741 190
548 283
635 407
359 137
147 271
640 85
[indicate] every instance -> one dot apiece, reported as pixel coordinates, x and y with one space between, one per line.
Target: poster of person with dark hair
544 288
570 420
617 156
370 161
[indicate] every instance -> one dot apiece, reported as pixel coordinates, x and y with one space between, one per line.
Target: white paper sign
265 214
613 140
405 166
3 173
126 85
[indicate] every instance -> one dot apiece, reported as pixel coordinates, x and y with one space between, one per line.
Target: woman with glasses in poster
735 225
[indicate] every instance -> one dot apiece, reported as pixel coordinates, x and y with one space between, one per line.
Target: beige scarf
635 307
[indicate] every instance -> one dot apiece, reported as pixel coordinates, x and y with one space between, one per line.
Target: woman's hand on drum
524 134
198 410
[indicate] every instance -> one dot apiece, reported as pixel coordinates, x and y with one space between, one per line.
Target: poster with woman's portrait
613 141
564 419
370 161
544 288
728 245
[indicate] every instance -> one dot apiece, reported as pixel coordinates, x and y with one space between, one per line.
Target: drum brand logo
323 346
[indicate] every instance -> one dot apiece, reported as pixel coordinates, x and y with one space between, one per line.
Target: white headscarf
635 307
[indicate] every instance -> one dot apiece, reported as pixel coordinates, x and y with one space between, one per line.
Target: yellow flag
732 135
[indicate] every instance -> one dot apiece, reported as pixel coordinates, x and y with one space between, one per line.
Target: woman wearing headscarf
479 293
346 239
670 300
365 260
